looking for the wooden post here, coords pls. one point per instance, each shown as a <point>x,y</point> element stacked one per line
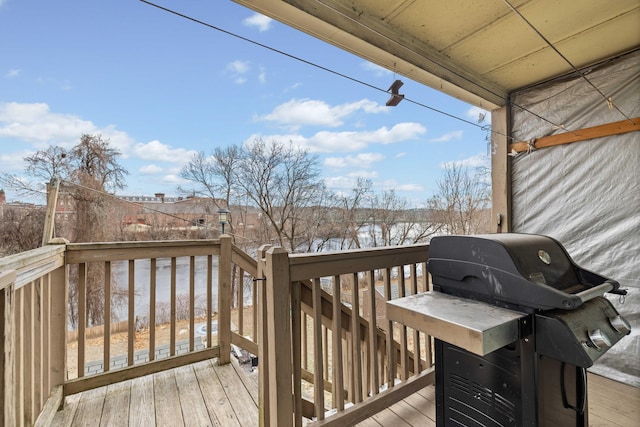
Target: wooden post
<point>500,171</point>
<point>224,299</point>
<point>278,297</point>
<point>52,200</point>
<point>262,337</point>
<point>7,333</point>
<point>59,280</point>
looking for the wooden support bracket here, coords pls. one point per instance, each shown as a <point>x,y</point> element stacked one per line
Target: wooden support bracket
<point>616,128</point>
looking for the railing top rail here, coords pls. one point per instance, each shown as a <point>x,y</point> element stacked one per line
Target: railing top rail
<point>309,266</point>
<point>118,251</point>
<point>6,278</point>
<point>31,265</point>
<point>244,261</point>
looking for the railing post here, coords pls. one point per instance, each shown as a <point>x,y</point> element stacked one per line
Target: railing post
<point>278,307</point>
<point>224,299</point>
<point>7,333</point>
<point>59,282</point>
<point>262,337</point>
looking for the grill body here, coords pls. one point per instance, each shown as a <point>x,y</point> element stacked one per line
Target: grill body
<point>540,378</point>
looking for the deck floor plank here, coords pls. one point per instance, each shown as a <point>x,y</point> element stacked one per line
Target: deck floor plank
<point>115,411</point>
<point>142,411</point>
<point>611,400</point>
<point>206,393</point>
<point>422,404</point>
<point>167,401</point>
<point>238,395</point>
<point>194,410</point>
<point>411,415</point>
<point>89,409</point>
<point>218,405</point>
<point>64,418</point>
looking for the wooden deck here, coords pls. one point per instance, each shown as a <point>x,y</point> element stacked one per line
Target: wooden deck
<point>207,394</point>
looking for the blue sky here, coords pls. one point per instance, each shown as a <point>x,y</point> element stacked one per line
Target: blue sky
<point>161,88</point>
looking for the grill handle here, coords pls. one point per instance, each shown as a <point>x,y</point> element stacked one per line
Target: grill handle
<point>596,291</point>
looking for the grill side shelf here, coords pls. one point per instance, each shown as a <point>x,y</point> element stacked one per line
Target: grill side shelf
<point>475,326</point>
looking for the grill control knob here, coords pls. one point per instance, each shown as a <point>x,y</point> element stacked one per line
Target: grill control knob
<point>599,339</point>
<point>620,324</point>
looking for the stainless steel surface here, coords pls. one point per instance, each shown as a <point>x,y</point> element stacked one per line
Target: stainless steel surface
<point>620,324</point>
<point>599,339</point>
<point>475,326</point>
<point>596,291</point>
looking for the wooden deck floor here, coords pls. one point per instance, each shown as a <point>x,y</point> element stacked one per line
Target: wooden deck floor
<point>206,394</point>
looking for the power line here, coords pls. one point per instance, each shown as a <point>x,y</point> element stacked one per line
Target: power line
<point>321,67</point>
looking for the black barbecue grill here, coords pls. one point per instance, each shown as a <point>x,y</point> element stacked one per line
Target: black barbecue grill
<point>516,323</point>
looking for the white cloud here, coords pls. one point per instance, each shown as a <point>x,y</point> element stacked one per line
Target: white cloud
<point>157,151</point>
<point>171,179</point>
<point>10,162</point>
<point>409,187</point>
<point>238,70</point>
<point>470,162</point>
<point>341,142</point>
<point>448,136</point>
<point>377,70</point>
<point>300,112</point>
<point>150,170</point>
<point>262,77</point>
<point>362,160</point>
<point>400,155</point>
<point>36,125</point>
<point>261,22</point>
<point>14,72</point>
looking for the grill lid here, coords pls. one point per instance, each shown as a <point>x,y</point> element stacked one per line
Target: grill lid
<point>512,270</point>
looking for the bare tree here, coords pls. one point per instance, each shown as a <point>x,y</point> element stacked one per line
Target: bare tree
<point>20,230</point>
<point>283,181</point>
<point>462,200</point>
<point>214,176</point>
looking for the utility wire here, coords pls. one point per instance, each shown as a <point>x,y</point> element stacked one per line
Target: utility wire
<point>329,70</point>
<point>551,45</point>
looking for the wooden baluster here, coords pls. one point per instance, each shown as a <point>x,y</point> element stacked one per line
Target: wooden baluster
<point>224,299</point>
<point>153,281</point>
<point>240,303</point>
<point>404,356</point>
<point>391,356</point>
<point>106,357</point>
<point>296,353</point>
<point>192,291</point>
<point>356,341</point>
<point>373,335</point>
<point>82,315</point>
<point>318,361</point>
<point>336,334</point>
<point>131,317</point>
<point>172,321</point>
<point>417,366</point>
<point>209,300</point>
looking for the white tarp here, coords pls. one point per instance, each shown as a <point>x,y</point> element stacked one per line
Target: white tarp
<point>587,194</point>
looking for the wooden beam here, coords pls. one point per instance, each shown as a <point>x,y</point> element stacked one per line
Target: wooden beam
<point>616,128</point>
<point>50,219</point>
<point>500,172</point>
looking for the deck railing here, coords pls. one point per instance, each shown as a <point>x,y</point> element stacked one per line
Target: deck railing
<point>356,363</point>
<point>316,322</point>
<point>34,299</point>
<point>33,329</point>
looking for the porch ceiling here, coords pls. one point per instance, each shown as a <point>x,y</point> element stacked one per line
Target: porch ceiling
<point>475,50</point>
